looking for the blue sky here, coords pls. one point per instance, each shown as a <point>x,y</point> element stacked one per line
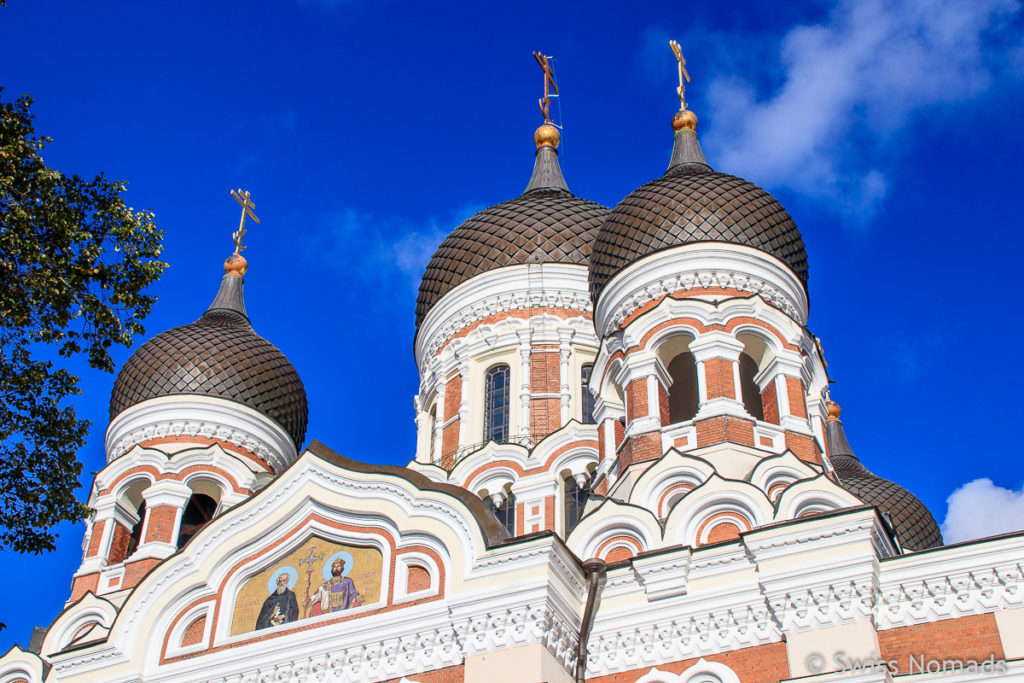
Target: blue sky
<point>368,130</point>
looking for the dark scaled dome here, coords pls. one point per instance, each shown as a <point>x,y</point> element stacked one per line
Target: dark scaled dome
<point>692,203</point>
<point>546,224</point>
<point>913,523</point>
<point>219,355</point>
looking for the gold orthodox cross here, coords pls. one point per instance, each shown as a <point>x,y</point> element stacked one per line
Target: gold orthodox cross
<point>311,559</point>
<point>684,76</point>
<point>821,350</point>
<point>307,561</point>
<point>549,84</point>
<point>242,197</point>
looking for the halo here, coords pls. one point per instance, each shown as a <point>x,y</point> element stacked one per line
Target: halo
<point>342,555</point>
<point>293,577</point>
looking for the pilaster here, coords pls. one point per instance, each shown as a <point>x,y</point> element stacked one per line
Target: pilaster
<point>165,503</point>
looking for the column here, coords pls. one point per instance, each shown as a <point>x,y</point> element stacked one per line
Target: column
<point>717,355</point>
<point>165,502</point>
<point>564,385</point>
<point>524,388</point>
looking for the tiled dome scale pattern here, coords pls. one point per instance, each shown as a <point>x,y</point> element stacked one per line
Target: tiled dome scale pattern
<point>541,226</point>
<point>218,355</point>
<point>915,526</point>
<point>692,203</point>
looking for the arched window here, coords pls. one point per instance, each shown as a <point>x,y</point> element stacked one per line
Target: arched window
<point>496,392</point>
<point>683,398</point>
<point>135,539</point>
<point>198,511</point>
<point>749,388</point>
<point>587,397</point>
<point>506,513</point>
<point>575,500</point>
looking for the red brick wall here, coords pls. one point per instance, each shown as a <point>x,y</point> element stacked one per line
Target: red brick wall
<point>545,370</point>
<point>549,513</point>
<point>450,440</point>
<point>975,637</point>
<point>96,538</point>
<point>636,399</point>
<point>545,416</point>
<point>452,403</point>
<point>797,403</point>
<point>719,378</point>
<point>194,632</point>
<point>626,547</point>
<point>759,664</point>
<point>118,544</point>
<point>770,402</point>
<point>804,447</point>
<point>134,571</point>
<point>161,524</point>
<point>419,579</point>
<point>452,674</point>
<point>452,396</point>
<point>725,428</point>
<point>723,532</point>
<point>640,448</point>
<point>618,554</point>
<point>663,405</point>
<point>84,584</point>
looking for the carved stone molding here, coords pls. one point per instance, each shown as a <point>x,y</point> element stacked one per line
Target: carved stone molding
<point>202,417</point>
<point>694,267</point>
<point>674,639</point>
<point>424,650</point>
<point>700,279</point>
<point>939,596</point>
<point>513,288</point>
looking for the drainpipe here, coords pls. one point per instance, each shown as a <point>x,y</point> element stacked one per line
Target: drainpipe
<point>593,568</point>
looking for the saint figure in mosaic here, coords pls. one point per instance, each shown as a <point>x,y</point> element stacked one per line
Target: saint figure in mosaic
<point>280,607</point>
<point>337,593</point>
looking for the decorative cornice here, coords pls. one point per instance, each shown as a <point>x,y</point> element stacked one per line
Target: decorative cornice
<point>548,285</point>
<point>950,587</point>
<point>200,416</point>
<point>699,266</point>
<point>413,651</point>
<point>671,636</point>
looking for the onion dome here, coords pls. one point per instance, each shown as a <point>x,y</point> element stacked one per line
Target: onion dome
<point>545,224</point>
<point>219,355</point>
<point>914,525</point>
<point>692,203</point>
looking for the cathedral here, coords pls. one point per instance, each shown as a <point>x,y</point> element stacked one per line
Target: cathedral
<point>628,469</point>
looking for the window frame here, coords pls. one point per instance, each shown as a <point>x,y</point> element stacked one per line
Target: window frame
<point>497,432</point>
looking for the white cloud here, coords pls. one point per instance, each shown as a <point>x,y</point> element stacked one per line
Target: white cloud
<point>979,508</point>
<point>383,249</point>
<point>848,86</point>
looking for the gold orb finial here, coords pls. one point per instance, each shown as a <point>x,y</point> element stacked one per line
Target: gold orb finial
<point>684,118</point>
<point>833,409</point>
<point>547,135</point>
<point>236,265</point>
